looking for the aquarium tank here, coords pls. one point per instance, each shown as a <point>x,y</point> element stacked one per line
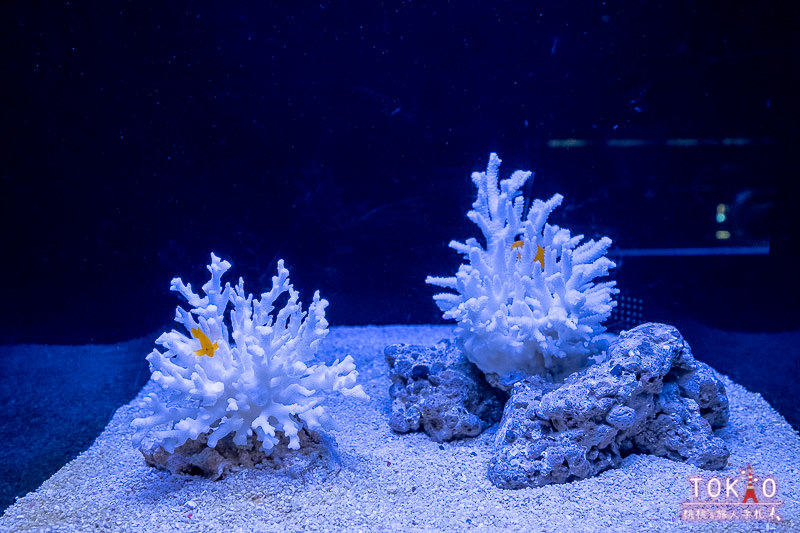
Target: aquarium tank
<point>150,146</point>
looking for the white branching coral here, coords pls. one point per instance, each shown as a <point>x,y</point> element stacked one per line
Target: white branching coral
<point>526,303</point>
<point>246,373</point>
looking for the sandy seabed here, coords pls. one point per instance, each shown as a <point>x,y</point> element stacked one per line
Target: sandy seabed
<point>389,482</point>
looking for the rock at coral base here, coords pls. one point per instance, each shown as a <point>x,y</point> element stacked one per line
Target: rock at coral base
<point>437,390</point>
<point>651,396</point>
<point>195,457</point>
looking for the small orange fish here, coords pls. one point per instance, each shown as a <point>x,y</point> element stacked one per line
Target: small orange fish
<point>206,348</point>
<point>518,244</point>
<point>539,252</point>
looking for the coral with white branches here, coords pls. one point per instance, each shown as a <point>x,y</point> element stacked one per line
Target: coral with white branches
<point>526,303</point>
<point>245,372</point>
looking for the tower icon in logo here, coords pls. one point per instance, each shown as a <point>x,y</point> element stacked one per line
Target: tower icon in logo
<point>750,493</point>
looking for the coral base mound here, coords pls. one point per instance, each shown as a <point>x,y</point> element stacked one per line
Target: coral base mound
<point>194,457</point>
<point>437,390</point>
<point>650,397</point>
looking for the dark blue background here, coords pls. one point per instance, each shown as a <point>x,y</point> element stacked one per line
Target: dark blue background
<point>140,136</point>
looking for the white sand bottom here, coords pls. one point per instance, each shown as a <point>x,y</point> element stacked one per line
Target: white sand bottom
<point>389,482</point>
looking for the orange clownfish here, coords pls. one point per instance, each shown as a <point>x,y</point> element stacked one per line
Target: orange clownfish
<point>206,348</point>
<point>539,252</point>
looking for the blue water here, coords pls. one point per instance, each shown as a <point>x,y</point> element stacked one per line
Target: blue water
<point>143,136</point>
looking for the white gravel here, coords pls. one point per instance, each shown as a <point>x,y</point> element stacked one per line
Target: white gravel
<point>389,482</point>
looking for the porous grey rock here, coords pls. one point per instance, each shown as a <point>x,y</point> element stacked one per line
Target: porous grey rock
<point>437,390</point>
<point>195,457</point>
<point>651,396</point>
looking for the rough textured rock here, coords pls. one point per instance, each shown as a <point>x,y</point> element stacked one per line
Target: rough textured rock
<point>196,458</point>
<point>436,389</point>
<point>650,396</point>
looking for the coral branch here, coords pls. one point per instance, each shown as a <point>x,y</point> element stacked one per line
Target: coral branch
<point>526,303</point>
<point>253,381</point>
